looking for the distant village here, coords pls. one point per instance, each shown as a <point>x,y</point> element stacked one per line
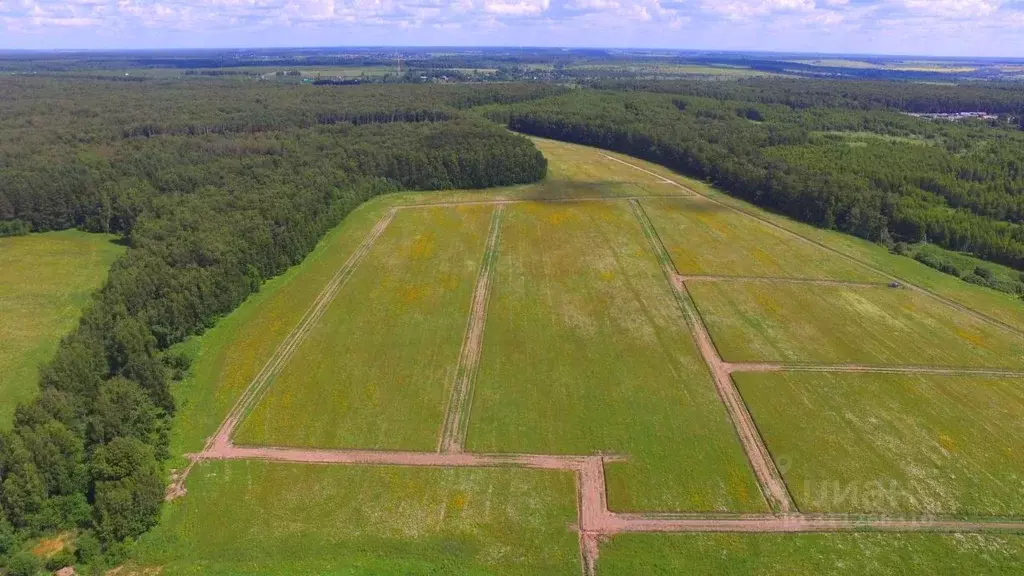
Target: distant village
<point>957,116</point>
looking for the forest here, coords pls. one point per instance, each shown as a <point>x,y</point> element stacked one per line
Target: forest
<point>217,184</point>
<point>223,189</point>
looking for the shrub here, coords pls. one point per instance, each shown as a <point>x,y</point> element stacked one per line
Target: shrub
<point>87,548</point>
<point>60,560</point>
<point>24,564</point>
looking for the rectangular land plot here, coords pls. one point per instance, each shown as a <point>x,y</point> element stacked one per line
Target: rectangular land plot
<point>375,370</point>
<point>786,322</point>
<point>579,171</point>
<point>707,239</point>
<point>894,443</point>
<point>586,350</point>
<point>248,518</point>
<point>812,554</point>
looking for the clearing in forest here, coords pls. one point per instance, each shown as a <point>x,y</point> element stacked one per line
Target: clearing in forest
<point>837,324</point>
<point>45,283</point>
<point>374,372</point>
<point>586,350</point>
<point>884,443</point>
<point>436,345</point>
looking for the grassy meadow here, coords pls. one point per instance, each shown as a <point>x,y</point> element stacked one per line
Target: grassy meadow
<point>798,323</point>
<point>894,443</point>
<point>993,303</point>
<point>229,355</point>
<point>579,171</point>
<point>45,283</point>
<point>812,554</point>
<point>586,350</point>
<point>705,238</point>
<point>375,371</point>
<point>248,518</point>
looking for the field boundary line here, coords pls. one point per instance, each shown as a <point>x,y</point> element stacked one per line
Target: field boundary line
<point>456,419</point>
<point>506,201</point>
<point>251,395</point>
<point>784,280</point>
<point>869,369</point>
<point>596,520</point>
<point>979,315</point>
<point>770,481</point>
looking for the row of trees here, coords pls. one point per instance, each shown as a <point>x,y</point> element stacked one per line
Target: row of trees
<point>871,185</point>
<point>207,220</point>
<point>918,97</point>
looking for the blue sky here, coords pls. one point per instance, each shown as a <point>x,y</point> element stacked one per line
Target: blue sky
<point>933,27</point>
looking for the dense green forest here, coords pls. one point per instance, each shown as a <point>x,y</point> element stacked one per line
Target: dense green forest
<point>918,97</point>
<point>214,187</point>
<point>879,174</point>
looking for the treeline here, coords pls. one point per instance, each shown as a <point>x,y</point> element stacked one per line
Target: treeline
<point>872,187</point>
<point>917,97</point>
<point>207,220</point>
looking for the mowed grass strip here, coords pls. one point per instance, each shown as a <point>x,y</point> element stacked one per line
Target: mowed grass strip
<point>705,238</point>
<point>894,443</point>
<point>45,283</point>
<point>803,324</point>
<point>376,370</point>
<point>248,518</point>
<point>581,171</point>
<point>586,350</point>
<point>812,554</point>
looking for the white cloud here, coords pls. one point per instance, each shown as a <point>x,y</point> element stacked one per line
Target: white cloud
<point>513,8</point>
<point>908,26</point>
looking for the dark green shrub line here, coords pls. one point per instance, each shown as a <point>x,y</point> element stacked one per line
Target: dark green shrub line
<point>14,228</point>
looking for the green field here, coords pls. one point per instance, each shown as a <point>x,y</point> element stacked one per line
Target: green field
<point>268,518</point>
<point>577,171</point>
<point>995,304</point>
<point>586,350</point>
<point>705,238</point>
<point>812,554</point>
<point>374,372</point>
<point>894,443</point>
<point>797,323</point>
<point>228,356</point>
<point>45,282</point>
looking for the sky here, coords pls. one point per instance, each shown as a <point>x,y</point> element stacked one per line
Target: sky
<point>924,27</point>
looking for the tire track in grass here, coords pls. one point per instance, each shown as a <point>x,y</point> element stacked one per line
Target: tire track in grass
<point>768,477</point>
<point>811,281</point>
<point>858,368</point>
<point>456,419</point>
<point>259,384</point>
